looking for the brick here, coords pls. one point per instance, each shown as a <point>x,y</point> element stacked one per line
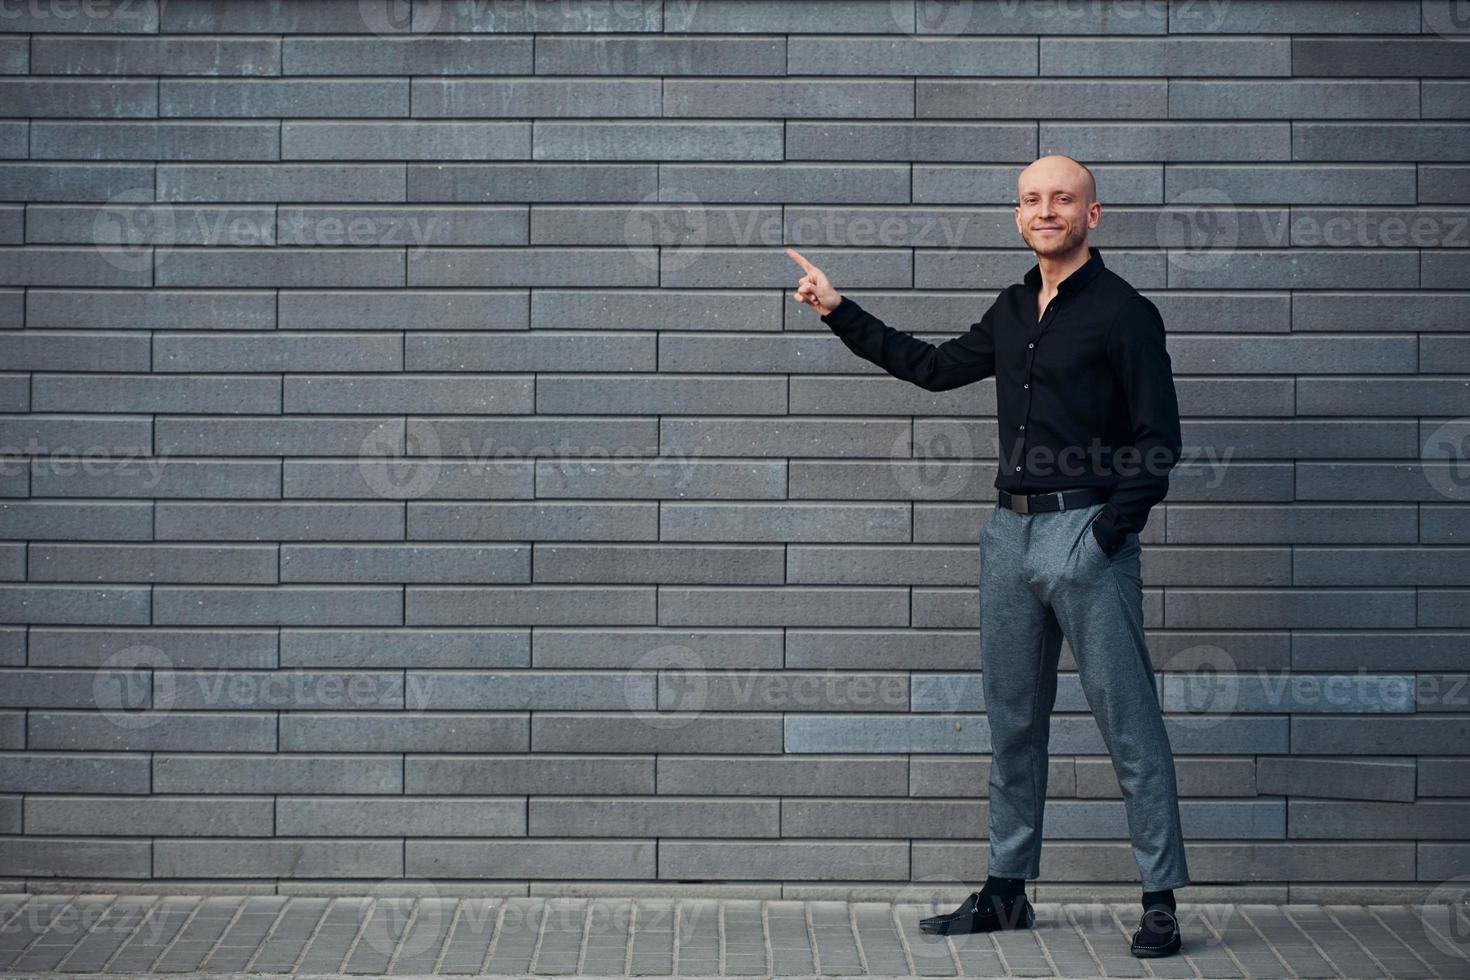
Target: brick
<point>750,183</point>
<point>539,97</point>
<point>261,773</point>
<point>283,97</point>
<point>100,816</point>
<point>408,55</point>
<point>151,309</point>
<point>1443,184</point>
<point>73,772</point>
<point>660,564</point>
<point>518,182</point>
<point>291,182</point>
<point>79,98</point>
<point>369,816</point>
<point>798,860</point>
<point>59,647</point>
<point>227,858</point>
<point>662,817</point>
<point>216,56</point>
<point>531,606</point>
<point>915,141</point>
<point>784,776</point>
<point>540,350</point>
<point>1292,99</point>
<point>73,604</point>
<point>1401,141</point>
<point>660,140</point>
<point>306,309</point>
<point>275,606</point>
<point>571,55</point>
<point>1134,56</point>
<point>75,181</point>
<point>580,309</point>
<point>1300,183</point>
<point>1316,16</point>
<point>1171,142</point>
<point>15,55</point>
<point>47,265</point>
<point>406,141</point>
<point>530,267</point>
<point>135,563</point>
<point>155,141</point>
<point>522,775</point>
<point>349,731</point>
<point>630,859</point>
<point>596,521</point>
<point>71,857</point>
<point>14,141</point>
<point>1378,736</point>
<point>281,267</point>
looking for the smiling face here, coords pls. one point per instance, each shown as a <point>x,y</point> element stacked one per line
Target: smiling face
<point>1057,206</point>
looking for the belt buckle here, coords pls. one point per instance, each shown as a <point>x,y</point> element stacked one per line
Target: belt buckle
<point>1019,503</point>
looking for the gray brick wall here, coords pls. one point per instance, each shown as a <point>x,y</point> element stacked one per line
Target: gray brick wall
<point>416,469</point>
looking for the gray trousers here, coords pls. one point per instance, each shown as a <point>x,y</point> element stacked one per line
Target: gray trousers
<point>1043,576</point>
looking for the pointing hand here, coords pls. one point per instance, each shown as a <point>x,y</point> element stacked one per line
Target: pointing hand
<point>814,289</point>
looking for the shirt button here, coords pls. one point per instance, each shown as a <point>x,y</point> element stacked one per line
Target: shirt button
<point>1022,425</point>
<point>1026,385</point>
<point>1018,469</point>
<point>1030,345</point>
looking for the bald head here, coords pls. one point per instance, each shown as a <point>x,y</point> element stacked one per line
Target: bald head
<point>1058,172</point>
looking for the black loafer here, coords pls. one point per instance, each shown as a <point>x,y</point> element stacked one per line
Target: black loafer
<point>1161,940</point>
<point>997,913</point>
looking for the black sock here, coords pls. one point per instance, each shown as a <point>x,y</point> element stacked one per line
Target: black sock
<point>1162,897</point>
<point>1005,887</point>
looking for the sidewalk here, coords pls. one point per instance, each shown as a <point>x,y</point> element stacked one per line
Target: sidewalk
<point>181,935</point>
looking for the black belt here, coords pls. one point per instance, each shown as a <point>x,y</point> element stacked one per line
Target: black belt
<point>1056,500</point>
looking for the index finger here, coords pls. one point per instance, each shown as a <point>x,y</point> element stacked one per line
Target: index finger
<point>801,260</point>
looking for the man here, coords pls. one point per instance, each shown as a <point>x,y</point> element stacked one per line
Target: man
<point>1089,430</point>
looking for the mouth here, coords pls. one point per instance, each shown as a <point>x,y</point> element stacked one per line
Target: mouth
<point>1047,230</point>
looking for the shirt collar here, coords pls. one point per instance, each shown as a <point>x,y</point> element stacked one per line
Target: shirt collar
<point>1080,276</point>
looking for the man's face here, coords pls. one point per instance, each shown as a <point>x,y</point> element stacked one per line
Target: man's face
<point>1053,217</point>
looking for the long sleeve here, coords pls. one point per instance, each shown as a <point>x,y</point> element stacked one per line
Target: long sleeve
<point>962,360</point>
<point>1141,363</point>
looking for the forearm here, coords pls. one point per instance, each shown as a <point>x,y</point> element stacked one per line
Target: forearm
<point>940,367</point>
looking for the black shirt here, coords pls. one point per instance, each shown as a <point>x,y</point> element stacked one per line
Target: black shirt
<point>1084,396</point>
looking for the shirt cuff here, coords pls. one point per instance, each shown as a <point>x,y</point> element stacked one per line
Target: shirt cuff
<point>843,314</point>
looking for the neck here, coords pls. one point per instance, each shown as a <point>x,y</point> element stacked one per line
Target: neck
<point>1055,268</point>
